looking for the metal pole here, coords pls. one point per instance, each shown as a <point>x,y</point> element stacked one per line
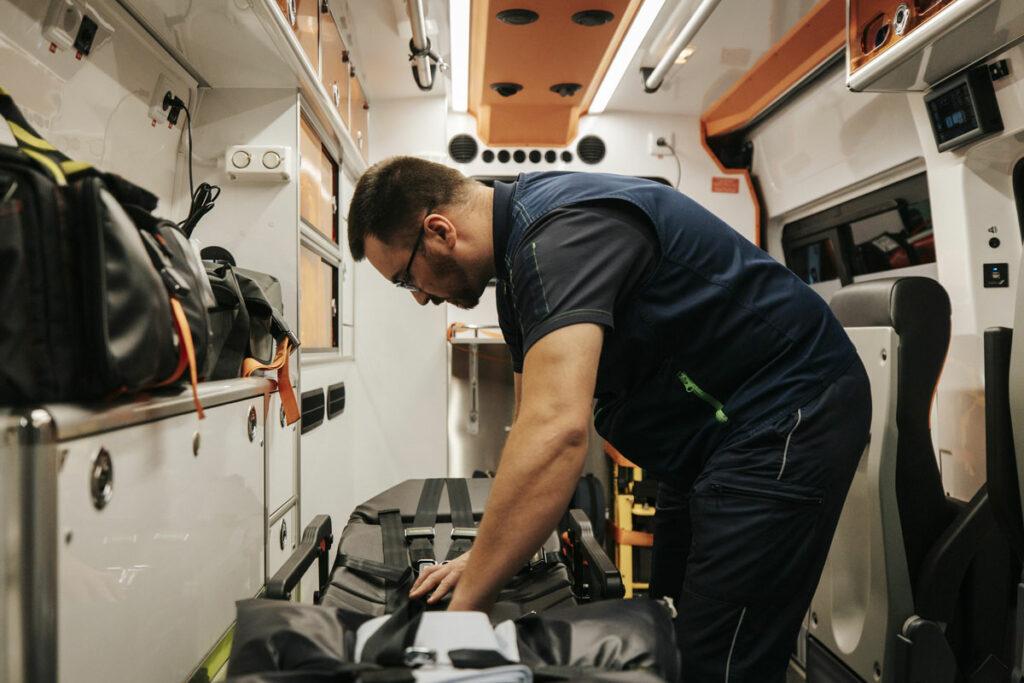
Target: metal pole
<point>654,80</point>
<point>414,8</point>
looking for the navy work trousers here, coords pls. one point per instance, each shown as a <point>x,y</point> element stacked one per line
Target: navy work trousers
<point>741,548</point>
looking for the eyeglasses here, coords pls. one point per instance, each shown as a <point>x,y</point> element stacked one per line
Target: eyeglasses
<point>404,279</point>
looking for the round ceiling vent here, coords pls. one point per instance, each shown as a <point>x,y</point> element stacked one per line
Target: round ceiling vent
<point>590,149</point>
<point>550,156</point>
<point>487,156</point>
<point>567,157</point>
<point>503,156</point>
<point>519,156</point>
<point>462,148</point>
<point>592,17</point>
<point>518,17</point>
<point>535,156</point>
<point>566,89</point>
<point>506,89</point>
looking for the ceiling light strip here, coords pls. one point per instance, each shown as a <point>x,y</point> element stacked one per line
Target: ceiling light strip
<point>458,19</point>
<point>627,50</point>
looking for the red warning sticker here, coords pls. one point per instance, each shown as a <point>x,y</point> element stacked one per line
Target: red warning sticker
<point>723,184</point>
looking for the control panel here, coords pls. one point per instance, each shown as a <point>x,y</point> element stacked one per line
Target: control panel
<point>964,108</point>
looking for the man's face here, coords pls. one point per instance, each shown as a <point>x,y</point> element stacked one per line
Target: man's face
<point>434,268</point>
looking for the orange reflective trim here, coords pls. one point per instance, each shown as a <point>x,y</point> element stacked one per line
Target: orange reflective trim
<point>185,339</point>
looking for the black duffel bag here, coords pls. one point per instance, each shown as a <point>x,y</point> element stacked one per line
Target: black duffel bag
<point>97,297</point>
<point>249,329</point>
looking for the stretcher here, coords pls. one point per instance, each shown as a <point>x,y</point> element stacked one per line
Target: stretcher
<point>363,627</point>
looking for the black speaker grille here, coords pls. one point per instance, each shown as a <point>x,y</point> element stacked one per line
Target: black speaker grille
<point>462,148</point>
<point>590,149</point>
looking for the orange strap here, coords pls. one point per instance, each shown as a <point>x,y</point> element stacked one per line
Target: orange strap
<point>618,458</point>
<point>642,539</point>
<point>189,352</point>
<point>281,363</point>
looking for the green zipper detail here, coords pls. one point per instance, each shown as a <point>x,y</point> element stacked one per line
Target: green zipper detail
<point>692,388</point>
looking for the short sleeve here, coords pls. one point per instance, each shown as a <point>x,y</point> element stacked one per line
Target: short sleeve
<point>576,264</point>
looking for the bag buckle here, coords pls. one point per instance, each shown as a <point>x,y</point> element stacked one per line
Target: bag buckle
<point>422,564</point>
<point>414,532</point>
<point>418,656</point>
<point>174,282</point>
<point>463,532</point>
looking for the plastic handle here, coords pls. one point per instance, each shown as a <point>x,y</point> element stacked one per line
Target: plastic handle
<point>315,545</point>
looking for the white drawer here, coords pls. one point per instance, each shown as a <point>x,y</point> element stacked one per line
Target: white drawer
<point>282,444</point>
<point>282,537</point>
<point>148,581</point>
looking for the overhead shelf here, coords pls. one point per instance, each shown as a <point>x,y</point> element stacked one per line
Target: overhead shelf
<point>225,45</point>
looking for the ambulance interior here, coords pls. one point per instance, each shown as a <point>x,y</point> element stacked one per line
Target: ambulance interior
<point>862,143</point>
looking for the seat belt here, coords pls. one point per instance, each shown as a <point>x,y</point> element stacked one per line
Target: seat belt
<point>421,534</point>
<point>463,525</point>
<point>394,554</point>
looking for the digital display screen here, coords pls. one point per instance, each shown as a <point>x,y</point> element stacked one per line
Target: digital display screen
<point>952,113</point>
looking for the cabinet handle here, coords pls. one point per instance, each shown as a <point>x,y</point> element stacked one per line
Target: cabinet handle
<point>283,536</point>
<point>252,424</point>
<point>101,479</point>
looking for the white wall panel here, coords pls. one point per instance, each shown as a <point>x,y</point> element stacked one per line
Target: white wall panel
<point>95,109</point>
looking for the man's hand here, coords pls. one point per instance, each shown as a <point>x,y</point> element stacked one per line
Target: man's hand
<point>440,578</point>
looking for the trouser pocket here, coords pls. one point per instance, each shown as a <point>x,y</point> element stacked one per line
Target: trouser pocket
<point>754,538</point>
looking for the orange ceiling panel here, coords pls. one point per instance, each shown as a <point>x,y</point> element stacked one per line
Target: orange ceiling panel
<point>553,49</point>
<point>815,38</point>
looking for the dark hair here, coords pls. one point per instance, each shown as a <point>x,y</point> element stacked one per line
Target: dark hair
<point>392,193</point>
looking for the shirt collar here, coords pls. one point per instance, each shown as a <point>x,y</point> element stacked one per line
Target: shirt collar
<point>502,224</point>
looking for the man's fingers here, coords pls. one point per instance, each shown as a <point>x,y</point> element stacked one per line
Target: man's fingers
<point>444,587</point>
<point>424,573</point>
<point>427,581</point>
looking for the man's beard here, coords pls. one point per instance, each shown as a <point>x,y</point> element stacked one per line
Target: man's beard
<point>464,294</point>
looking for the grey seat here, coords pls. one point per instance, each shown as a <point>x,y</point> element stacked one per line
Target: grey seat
<point>905,558</point>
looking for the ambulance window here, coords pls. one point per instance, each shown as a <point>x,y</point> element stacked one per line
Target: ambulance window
<point>885,230</point>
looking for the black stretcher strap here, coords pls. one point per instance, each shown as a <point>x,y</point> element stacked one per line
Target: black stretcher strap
<point>463,525</point>
<point>394,552</point>
<point>421,534</point>
<point>386,647</point>
<point>396,575</point>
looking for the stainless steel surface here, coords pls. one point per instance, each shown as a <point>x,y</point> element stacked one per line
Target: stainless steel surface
<point>685,37</point>
<point>74,421</point>
<point>477,444</point>
<point>281,511</point>
<point>28,532</point>
<point>101,479</point>
<point>420,41</point>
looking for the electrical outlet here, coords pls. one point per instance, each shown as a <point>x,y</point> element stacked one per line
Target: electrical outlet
<point>164,83</point>
<point>259,163</point>
<point>63,17</point>
<point>660,151</point>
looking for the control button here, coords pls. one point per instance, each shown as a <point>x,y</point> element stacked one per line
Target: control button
<point>271,159</point>
<point>996,275</point>
<point>240,159</point>
<point>994,242</point>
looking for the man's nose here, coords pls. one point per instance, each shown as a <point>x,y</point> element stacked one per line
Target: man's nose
<point>422,298</point>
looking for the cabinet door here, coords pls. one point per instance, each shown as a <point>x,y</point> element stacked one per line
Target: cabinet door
<point>334,74</point>
<point>360,118</point>
<point>318,308</point>
<point>307,26</point>
<point>328,196</point>
<point>310,176</point>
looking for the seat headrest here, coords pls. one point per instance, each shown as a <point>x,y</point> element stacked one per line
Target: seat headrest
<point>902,303</point>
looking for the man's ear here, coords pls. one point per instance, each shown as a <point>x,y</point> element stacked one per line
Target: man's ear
<point>442,227</point>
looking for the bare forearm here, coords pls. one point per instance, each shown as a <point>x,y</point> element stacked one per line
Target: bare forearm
<point>539,468</point>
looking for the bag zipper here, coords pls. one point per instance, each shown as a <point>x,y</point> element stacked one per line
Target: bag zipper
<point>749,492</point>
<point>692,388</point>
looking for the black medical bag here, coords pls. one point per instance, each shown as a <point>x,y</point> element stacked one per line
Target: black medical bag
<point>97,296</point>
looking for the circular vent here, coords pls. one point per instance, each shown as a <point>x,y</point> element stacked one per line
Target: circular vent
<point>517,17</point>
<point>590,149</point>
<point>487,156</point>
<point>519,156</point>
<point>506,89</point>
<point>592,17</point>
<point>535,156</point>
<point>550,156</point>
<point>503,156</point>
<point>462,148</point>
<point>566,89</point>
<point>567,156</point>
